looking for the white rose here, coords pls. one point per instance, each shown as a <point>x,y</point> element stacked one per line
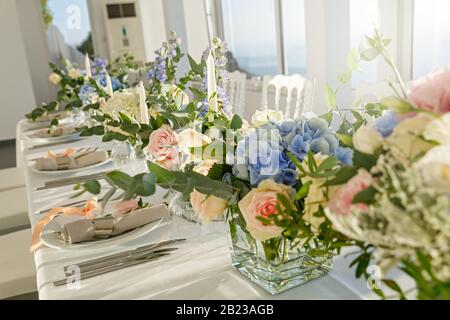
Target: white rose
<point>262,117</point>
<point>367,140</point>
<point>435,167</point>
<point>214,133</point>
<point>407,142</point>
<point>438,130</point>
<point>74,73</point>
<point>190,138</point>
<point>54,78</point>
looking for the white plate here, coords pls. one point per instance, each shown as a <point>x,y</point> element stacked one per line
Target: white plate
<point>50,238</point>
<point>68,171</point>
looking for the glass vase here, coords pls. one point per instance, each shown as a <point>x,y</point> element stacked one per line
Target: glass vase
<point>122,154</point>
<point>181,207</point>
<point>275,265</point>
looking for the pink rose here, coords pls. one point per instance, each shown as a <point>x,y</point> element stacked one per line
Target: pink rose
<point>207,208</point>
<point>432,92</point>
<point>341,201</point>
<point>262,202</point>
<point>161,146</point>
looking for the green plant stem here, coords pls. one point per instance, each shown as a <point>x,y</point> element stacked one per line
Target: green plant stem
<point>388,58</point>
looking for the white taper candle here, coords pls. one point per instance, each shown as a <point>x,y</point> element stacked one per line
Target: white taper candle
<point>143,104</point>
<point>87,66</point>
<point>109,87</point>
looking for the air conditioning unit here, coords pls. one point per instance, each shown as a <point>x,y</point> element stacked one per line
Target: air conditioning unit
<point>124,29</point>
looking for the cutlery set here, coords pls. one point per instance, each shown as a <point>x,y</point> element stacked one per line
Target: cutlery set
<point>106,264</point>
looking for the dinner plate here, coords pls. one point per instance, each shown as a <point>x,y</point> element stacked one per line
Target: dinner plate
<point>50,237</point>
<point>69,171</point>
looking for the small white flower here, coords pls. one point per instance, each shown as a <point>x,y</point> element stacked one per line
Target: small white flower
<point>74,73</point>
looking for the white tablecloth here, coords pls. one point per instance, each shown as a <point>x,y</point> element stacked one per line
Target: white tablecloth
<point>200,269</point>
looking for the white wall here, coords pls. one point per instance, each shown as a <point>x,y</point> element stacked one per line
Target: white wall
<point>196,27</point>
<point>153,26</point>
<point>36,50</point>
<point>16,89</point>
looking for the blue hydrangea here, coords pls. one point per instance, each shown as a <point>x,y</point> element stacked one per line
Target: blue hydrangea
<point>263,154</point>
<point>202,108</point>
<point>86,93</point>
<point>344,155</point>
<point>98,66</point>
<point>386,124</point>
<point>116,84</point>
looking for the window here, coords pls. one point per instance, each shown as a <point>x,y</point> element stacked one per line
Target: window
<point>363,19</point>
<point>250,29</point>
<point>431,44</point>
<point>293,19</point>
<point>68,30</point>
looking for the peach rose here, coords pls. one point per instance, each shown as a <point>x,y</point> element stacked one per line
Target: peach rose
<point>432,92</point>
<point>207,207</point>
<point>170,161</point>
<point>262,202</point>
<point>341,202</point>
<point>204,166</point>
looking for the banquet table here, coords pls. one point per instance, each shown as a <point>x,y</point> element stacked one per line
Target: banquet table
<point>200,269</point>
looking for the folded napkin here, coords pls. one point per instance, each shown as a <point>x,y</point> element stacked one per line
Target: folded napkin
<point>83,230</point>
<point>56,132</point>
<point>70,160</point>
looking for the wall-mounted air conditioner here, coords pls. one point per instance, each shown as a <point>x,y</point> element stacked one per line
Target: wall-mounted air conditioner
<point>124,29</point>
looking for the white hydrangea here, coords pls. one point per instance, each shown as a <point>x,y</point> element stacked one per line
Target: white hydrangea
<point>125,101</point>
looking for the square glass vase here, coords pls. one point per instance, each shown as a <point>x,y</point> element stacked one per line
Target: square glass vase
<point>273,264</point>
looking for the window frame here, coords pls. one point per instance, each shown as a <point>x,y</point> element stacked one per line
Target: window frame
<point>214,14</point>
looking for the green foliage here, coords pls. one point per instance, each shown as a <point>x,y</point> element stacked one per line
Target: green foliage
<point>47,14</point>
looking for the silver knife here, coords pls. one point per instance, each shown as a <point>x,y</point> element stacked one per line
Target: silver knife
<point>72,180</point>
<point>101,271</point>
<point>131,256</point>
<point>125,253</point>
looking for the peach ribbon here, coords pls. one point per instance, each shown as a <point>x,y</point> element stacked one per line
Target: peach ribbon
<point>68,153</point>
<point>36,241</point>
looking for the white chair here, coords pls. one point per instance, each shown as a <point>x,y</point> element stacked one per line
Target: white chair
<point>17,269</point>
<point>14,211</point>
<point>11,178</point>
<point>235,88</point>
<point>299,94</point>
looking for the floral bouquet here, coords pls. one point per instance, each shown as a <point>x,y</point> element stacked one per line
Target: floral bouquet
<point>394,200</point>
<point>399,204</point>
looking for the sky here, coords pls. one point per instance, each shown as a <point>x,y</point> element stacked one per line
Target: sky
<point>66,15</point>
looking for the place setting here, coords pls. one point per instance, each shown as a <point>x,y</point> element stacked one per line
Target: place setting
<point>71,161</point>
